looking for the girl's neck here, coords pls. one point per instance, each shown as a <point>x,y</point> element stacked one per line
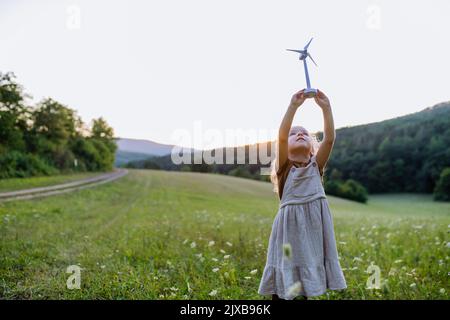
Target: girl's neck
<point>302,163</point>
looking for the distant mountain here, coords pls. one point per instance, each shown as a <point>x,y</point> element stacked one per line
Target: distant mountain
<point>143,147</point>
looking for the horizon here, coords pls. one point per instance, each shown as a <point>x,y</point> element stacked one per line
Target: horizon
<point>151,71</point>
<point>258,142</point>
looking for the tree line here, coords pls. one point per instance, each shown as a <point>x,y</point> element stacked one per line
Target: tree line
<point>48,137</point>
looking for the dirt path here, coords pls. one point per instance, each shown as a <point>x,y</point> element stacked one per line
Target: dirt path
<point>62,188</point>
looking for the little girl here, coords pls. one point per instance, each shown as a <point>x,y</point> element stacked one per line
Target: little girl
<point>302,258</point>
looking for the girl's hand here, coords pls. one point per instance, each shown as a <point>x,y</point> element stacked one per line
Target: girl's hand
<point>322,100</point>
<point>298,99</point>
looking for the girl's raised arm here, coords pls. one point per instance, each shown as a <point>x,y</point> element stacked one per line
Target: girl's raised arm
<point>329,135</point>
<point>283,133</point>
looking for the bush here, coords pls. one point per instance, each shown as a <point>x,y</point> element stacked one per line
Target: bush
<point>350,189</point>
<point>442,189</point>
<point>240,172</point>
<point>17,164</point>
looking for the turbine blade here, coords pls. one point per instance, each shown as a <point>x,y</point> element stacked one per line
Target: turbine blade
<point>298,51</point>
<point>312,59</point>
<point>306,47</point>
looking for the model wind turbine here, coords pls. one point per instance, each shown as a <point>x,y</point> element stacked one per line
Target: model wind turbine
<point>309,92</point>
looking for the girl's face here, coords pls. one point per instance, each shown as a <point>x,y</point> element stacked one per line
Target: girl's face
<point>299,144</point>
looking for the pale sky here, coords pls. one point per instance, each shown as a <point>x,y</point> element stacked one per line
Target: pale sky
<point>154,67</point>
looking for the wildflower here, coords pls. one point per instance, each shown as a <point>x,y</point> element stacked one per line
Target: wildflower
<point>214,259</point>
<point>295,289</point>
<point>215,269</point>
<point>103,266</point>
<point>229,244</point>
<point>413,285</point>
<point>287,250</point>
<point>199,255</point>
<point>193,244</point>
<point>185,241</point>
<point>343,243</point>
<point>398,261</point>
<point>222,251</point>
<point>213,293</point>
<point>254,271</point>
<point>248,278</point>
<point>226,256</point>
<point>174,288</point>
<point>226,274</point>
<point>357,259</point>
<point>448,245</point>
<point>442,291</point>
<point>211,243</point>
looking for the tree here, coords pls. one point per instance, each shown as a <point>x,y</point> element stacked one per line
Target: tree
<point>13,114</point>
<point>442,190</point>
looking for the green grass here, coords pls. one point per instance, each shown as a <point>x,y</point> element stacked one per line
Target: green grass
<point>15,184</point>
<point>133,239</point>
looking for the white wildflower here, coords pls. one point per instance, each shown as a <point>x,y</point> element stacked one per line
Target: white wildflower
<point>215,269</point>
<point>358,259</point>
<point>254,271</point>
<point>398,261</point>
<point>214,259</point>
<point>193,244</point>
<point>442,291</point>
<point>185,241</point>
<point>295,289</point>
<point>247,278</point>
<point>211,243</point>
<point>343,243</point>
<point>226,256</point>
<point>213,293</point>
<point>412,285</point>
<point>229,244</point>
<point>222,251</point>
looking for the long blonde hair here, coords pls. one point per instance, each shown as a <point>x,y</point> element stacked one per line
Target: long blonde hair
<point>273,173</point>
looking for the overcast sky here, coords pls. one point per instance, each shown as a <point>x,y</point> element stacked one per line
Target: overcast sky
<point>152,68</point>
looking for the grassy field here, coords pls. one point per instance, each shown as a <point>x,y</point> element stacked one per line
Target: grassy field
<point>44,181</point>
<point>149,236</point>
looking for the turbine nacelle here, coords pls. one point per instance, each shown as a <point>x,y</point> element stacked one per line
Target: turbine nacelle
<point>304,53</point>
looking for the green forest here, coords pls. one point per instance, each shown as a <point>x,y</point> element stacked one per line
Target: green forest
<point>48,137</point>
<point>405,154</point>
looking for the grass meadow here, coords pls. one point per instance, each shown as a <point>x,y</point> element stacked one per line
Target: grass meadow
<point>181,235</point>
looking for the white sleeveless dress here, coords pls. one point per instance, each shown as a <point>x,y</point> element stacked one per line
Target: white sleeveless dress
<point>304,221</point>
